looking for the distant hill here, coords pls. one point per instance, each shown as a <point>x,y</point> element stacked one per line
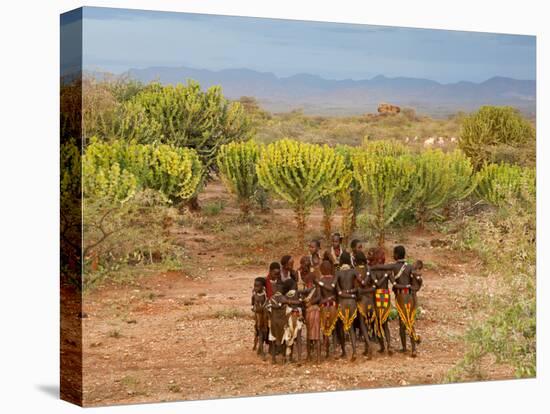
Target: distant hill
<point>345,97</point>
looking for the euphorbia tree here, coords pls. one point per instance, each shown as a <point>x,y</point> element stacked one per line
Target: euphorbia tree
<point>439,178</point>
<point>330,202</point>
<point>300,174</point>
<point>352,199</point>
<point>386,181</point>
<point>498,184</point>
<point>237,167</point>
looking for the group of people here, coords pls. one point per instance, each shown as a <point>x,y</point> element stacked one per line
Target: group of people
<point>335,295</point>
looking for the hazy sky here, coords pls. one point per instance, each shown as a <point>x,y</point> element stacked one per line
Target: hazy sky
<point>116,40</point>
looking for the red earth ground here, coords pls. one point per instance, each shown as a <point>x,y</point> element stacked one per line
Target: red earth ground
<point>172,337</point>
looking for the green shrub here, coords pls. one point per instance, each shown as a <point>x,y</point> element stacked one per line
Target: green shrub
<point>490,127</point>
<point>237,166</point>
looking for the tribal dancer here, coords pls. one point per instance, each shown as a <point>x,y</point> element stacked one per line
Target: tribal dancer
<point>333,254</point>
<point>328,305</point>
<point>347,301</point>
<point>365,301</point>
<point>382,305</point>
<point>405,301</point>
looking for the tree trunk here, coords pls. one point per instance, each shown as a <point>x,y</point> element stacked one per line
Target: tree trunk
<point>381,225</point>
<point>193,204</point>
<point>244,206</point>
<point>327,226</point>
<point>301,227</point>
<point>381,238</point>
<point>353,224</point>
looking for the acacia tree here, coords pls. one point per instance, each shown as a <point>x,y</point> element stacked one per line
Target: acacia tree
<point>491,127</point>
<point>237,167</point>
<point>386,181</point>
<point>185,116</point>
<point>300,174</point>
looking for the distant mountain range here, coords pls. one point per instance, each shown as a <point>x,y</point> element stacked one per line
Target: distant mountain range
<point>316,95</point>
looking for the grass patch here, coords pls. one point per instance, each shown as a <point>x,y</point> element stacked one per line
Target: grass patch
<point>115,333</point>
<point>231,313</point>
<point>213,208</point>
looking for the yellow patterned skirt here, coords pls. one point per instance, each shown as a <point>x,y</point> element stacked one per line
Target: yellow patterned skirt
<point>329,317</point>
<point>406,308</point>
<point>382,307</point>
<point>366,309</point>
<point>347,312</point>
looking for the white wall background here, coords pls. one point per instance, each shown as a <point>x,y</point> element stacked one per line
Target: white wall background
<point>29,165</point>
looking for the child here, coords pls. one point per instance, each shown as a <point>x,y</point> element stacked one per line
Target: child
<point>416,285</point>
<point>293,330</point>
<point>315,257</point>
<point>311,300</point>
<point>261,317</point>
<point>335,251</point>
<point>272,278</point>
<point>287,269</point>
<point>303,271</point>
<point>279,311</point>
<point>356,248</point>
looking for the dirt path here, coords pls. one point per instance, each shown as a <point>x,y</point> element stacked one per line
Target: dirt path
<point>169,337</point>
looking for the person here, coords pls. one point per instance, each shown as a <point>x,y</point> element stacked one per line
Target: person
<point>303,271</point>
<point>345,279</point>
<point>328,307</point>
<point>416,285</point>
<point>311,299</point>
<point>293,329</point>
<point>382,305</point>
<point>365,301</point>
<point>273,276</point>
<point>401,275</point>
<point>287,269</point>
<point>315,257</point>
<point>333,254</point>
<point>356,248</point>
<point>279,318</point>
<point>261,317</point>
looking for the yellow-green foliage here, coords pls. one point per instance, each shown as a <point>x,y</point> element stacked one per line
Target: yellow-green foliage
<point>237,167</point>
<point>389,148</point>
<point>116,170</point>
<point>70,183</point>
<point>491,127</point>
<point>462,172</point>
<point>500,184</point>
<point>330,202</point>
<point>300,174</point>
<point>352,199</point>
<point>439,178</point>
<point>386,181</point>
<point>185,116</point>
<point>505,240</point>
